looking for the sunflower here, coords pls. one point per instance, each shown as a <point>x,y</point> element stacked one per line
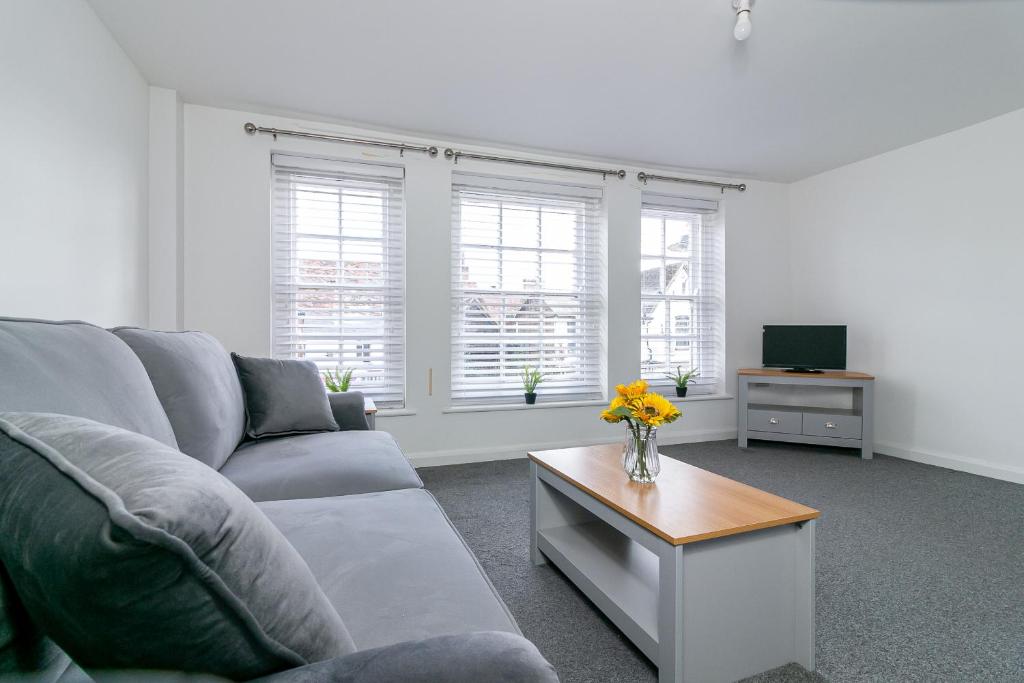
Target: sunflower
<point>632,391</point>
<point>655,410</point>
<point>610,414</point>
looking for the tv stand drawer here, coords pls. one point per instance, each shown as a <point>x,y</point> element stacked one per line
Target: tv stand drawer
<point>833,425</point>
<point>779,420</point>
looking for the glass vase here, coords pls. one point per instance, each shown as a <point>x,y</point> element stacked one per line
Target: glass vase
<point>640,456</point>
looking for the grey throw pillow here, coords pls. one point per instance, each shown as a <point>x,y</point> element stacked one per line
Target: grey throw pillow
<point>130,554</point>
<point>283,397</point>
<point>197,384</point>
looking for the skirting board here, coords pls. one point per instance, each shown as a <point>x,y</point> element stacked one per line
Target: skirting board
<point>468,455</point>
<point>953,462</point>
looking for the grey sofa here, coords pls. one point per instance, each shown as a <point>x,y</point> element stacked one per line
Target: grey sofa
<point>413,596</point>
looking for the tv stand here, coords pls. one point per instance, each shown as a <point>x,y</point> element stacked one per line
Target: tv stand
<point>849,428</point>
<point>806,371</point>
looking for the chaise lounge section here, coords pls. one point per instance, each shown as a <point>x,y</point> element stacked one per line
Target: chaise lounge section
<point>411,594</point>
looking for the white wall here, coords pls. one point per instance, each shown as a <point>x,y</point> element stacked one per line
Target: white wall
<point>73,185</point>
<point>166,209</point>
<point>919,251</point>
<point>227,282</point>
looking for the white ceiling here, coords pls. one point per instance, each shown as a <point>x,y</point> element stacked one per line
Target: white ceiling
<point>819,84</point>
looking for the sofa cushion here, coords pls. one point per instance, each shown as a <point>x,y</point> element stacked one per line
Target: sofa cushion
<point>320,465</point>
<point>130,554</point>
<point>490,656</point>
<point>75,368</point>
<point>392,565</point>
<point>197,384</point>
<point>283,397</point>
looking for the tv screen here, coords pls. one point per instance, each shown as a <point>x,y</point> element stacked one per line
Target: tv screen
<point>804,347</point>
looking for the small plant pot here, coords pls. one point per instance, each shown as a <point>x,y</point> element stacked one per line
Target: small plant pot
<point>681,391</point>
<point>531,398</point>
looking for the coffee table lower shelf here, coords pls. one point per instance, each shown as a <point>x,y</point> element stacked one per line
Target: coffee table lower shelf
<point>620,576</point>
<point>715,610</point>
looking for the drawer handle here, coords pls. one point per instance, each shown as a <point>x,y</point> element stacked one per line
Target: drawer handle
<point>773,420</point>
<point>830,425</point>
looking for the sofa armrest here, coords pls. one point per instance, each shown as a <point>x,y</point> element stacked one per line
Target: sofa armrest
<point>349,410</point>
<point>464,658</point>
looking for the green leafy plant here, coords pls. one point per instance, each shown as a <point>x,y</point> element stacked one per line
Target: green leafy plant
<point>339,379</point>
<point>683,378</point>
<point>531,378</point>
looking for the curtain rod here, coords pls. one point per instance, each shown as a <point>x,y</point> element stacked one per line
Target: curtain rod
<point>252,129</point>
<point>644,177</point>
<point>455,155</point>
<point>449,153</point>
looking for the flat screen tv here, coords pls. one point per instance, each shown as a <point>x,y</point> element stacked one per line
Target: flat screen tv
<point>804,348</point>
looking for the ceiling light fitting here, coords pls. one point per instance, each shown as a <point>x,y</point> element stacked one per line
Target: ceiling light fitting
<point>743,25</point>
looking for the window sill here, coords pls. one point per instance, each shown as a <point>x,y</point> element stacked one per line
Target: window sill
<point>395,412</point>
<point>699,397</point>
<point>496,407</point>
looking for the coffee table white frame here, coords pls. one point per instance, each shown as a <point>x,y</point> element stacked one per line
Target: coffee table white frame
<point>714,610</point>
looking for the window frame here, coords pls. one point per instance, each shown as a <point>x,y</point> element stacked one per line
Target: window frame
<point>706,317</point>
<point>583,335</point>
<point>388,182</point>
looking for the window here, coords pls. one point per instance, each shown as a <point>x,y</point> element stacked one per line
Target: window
<point>527,290</point>
<point>682,291</point>
<point>338,292</point>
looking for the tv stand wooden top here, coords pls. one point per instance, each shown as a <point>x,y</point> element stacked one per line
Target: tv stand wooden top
<point>831,374</point>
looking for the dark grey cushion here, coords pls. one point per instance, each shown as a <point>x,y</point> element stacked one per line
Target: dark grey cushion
<point>283,397</point>
<point>319,465</point>
<point>130,554</point>
<point>349,409</point>
<point>198,387</point>
<point>75,368</point>
<point>467,658</point>
<point>392,565</point>
<point>23,647</point>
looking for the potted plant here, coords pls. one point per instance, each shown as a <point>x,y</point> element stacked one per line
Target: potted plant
<point>531,378</point>
<point>682,379</point>
<point>338,380</point>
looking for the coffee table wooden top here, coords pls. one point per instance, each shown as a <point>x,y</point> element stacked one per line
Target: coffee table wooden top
<point>686,504</point>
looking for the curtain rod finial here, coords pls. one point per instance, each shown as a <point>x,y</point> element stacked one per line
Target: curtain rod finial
<point>250,128</point>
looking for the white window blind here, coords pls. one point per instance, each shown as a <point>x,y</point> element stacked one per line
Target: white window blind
<point>682,291</point>
<point>338,267</point>
<point>527,290</point>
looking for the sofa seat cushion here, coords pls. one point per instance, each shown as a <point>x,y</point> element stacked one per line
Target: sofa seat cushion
<point>130,554</point>
<point>320,465</point>
<point>197,384</point>
<point>392,565</point>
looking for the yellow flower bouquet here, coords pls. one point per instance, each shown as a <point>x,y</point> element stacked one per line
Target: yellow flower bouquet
<point>643,412</point>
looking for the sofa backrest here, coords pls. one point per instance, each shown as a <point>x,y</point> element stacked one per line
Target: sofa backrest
<point>198,387</point>
<point>74,368</point>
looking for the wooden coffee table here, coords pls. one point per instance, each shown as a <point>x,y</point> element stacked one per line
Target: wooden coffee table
<point>712,579</point>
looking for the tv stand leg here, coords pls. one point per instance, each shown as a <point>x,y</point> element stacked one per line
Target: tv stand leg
<point>743,392</point>
<point>864,401</point>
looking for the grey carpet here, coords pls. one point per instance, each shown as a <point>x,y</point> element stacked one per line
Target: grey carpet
<point>920,570</point>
